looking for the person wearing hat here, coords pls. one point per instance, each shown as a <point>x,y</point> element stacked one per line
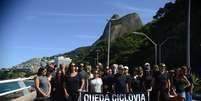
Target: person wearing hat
<point>127,74</point>
<point>126,70</point>
<point>147,67</point>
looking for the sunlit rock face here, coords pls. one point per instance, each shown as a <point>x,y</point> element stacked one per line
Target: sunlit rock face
<point>121,25</point>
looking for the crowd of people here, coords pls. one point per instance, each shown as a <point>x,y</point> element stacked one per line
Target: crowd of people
<point>65,82</point>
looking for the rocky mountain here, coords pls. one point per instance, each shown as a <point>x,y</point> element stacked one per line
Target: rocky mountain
<point>121,25</point>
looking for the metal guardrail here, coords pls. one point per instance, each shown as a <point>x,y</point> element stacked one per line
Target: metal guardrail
<point>14,80</point>
<point>21,84</point>
<point>13,91</point>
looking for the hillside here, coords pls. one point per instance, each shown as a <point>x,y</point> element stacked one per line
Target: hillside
<point>32,64</point>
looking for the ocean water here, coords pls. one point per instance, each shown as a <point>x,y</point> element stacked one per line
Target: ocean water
<point>14,85</point>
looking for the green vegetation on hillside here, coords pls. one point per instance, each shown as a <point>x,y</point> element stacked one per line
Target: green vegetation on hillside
<point>12,74</point>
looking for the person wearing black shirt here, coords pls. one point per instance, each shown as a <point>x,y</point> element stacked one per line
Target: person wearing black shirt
<point>147,77</point>
<point>73,84</point>
<point>108,81</point>
<point>162,83</point>
<point>136,83</point>
<point>57,93</point>
<point>120,81</point>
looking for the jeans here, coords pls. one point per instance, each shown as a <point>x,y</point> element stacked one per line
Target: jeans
<point>188,96</point>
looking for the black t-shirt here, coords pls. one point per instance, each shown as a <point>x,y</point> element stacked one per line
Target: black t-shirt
<point>73,83</point>
<point>137,84</point>
<point>147,81</point>
<point>162,81</point>
<point>120,82</point>
<point>128,78</point>
<point>108,81</point>
<point>57,90</point>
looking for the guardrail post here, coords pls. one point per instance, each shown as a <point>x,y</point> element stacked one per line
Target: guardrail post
<point>148,95</point>
<point>22,85</point>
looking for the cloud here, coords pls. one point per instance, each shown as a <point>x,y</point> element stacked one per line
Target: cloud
<point>85,36</point>
<point>75,15</point>
<point>145,13</point>
<point>128,7</point>
<point>30,17</point>
<point>38,48</point>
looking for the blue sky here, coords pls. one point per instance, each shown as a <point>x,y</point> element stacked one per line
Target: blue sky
<point>37,28</point>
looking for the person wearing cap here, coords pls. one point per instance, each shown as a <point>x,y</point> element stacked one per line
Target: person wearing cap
<point>147,67</point>
<point>127,74</point>
<point>126,70</point>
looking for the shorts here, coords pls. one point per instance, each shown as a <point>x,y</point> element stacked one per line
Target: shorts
<point>182,94</point>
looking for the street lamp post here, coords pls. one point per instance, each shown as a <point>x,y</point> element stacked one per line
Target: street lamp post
<point>160,45</point>
<point>188,35</point>
<point>109,37</point>
<point>155,45</point>
<point>97,56</point>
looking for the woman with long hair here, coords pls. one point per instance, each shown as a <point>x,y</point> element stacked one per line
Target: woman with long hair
<point>42,85</point>
<point>181,82</point>
<point>74,84</point>
<point>96,83</point>
<point>57,85</point>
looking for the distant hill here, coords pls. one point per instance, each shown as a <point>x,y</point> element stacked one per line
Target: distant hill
<point>32,65</point>
<point>76,55</point>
